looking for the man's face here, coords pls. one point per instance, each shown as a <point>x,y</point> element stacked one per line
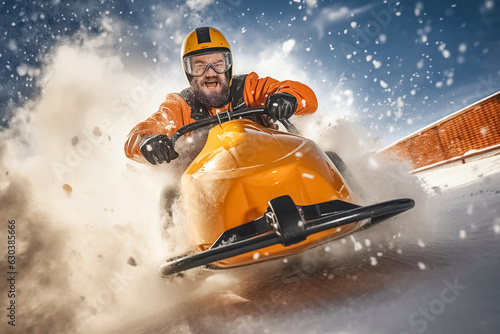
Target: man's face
<point>212,89</point>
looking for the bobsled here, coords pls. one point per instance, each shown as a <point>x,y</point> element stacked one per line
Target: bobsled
<point>255,194</point>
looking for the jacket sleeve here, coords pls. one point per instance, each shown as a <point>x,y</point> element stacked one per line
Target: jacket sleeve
<point>172,114</point>
<point>258,89</point>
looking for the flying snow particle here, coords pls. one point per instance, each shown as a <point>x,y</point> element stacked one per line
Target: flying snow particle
<point>243,30</point>
<point>312,3</point>
<point>462,47</point>
<point>12,45</point>
<point>354,24</point>
<point>369,58</point>
<point>400,104</point>
<point>446,53</point>
<point>377,64</point>
<point>373,261</point>
<point>463,234</point>
<point>421,265</point>
<point>349,97</point>
<point>496,228</point>
<point>67,189</point>
<point>256,255</point>
<point>419,6</point>
<point>421,243</point>
<point>373,163</point>
<point>357,246</point>
<point>383,84</point>
<point>287,46</point>
<point>382,38</point>
<point>308,176</point>
<point>22,70</point>
<point>368,242</point>
<point>198,4</point>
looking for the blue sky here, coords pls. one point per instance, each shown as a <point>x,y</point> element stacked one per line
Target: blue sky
<point>397,66</point>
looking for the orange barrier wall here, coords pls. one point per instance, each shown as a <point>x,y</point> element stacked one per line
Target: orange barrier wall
<point>475,127</point>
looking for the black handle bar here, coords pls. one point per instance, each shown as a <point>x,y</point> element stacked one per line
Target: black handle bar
<point>227,116</point>
<point>289,126</point>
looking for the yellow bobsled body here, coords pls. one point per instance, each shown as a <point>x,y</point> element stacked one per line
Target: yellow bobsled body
<point>244,165</point>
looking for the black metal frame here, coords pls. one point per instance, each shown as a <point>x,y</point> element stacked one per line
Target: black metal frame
<point>225,117</point>
<point>287,224</point>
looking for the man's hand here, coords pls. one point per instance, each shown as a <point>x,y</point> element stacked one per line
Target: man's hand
<point>281,105</point>
<point>157,149</point>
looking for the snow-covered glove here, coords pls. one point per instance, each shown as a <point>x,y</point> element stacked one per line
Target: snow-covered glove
<point>281,105</point>
<point>158,149</point>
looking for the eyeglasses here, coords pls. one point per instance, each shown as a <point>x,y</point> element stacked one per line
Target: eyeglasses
<point>198,65</point>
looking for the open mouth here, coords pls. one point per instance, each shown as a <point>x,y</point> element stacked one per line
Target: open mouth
<point>211,84</point>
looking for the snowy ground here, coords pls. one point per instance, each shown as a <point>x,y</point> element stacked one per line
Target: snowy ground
<point>445,281</point>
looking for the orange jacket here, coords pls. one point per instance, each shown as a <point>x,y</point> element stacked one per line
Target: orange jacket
<point>174,112</point>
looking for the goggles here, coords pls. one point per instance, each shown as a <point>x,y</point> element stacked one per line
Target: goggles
<point>198,65</point>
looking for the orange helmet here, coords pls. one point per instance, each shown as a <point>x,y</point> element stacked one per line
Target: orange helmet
<point>202,41</point>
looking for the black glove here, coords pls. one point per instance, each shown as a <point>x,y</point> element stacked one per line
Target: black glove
<point>281,105</point>
<point>157,149</point>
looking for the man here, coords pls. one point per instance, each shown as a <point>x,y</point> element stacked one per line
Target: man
<point>207,62</point>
